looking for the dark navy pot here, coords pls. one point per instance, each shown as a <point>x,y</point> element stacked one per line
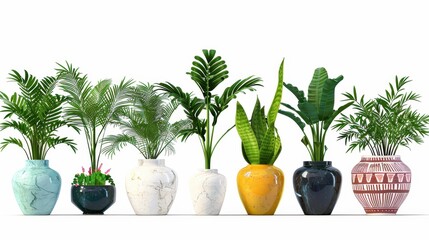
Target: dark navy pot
<point>317,187</point>
<point>93,199</point>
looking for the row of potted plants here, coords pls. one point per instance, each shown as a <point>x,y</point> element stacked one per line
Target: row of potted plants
<point>143,113</point>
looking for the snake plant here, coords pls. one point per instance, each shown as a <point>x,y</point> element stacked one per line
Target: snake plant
<point>317,111</point>
<point>207,72</point>
<point>261,142</point>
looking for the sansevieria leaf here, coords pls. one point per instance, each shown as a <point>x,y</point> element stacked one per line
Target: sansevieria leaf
<point>248,138</point>
<point>275,105</point>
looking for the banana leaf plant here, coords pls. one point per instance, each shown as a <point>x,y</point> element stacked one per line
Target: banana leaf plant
<point>317,111</point>
<point>35,112</point>
<point>261,142</point>
<point>207,72</point>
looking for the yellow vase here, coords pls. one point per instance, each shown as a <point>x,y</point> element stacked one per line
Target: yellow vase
<point>260,187</point>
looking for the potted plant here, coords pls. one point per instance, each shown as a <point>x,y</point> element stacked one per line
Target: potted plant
<point>35,112</point>
<point>260,183</point>
<point>317,183</point>
<point>208,186</point>
<point>381,181</point>
<point>151,186</point>
<point>92,108</point>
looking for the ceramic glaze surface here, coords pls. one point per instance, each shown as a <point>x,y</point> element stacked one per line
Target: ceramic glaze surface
<point>317,187</point>
<point>260,188</point>
<point>208,189</point>
<point>36,187</point>
<point>93,199</point>
<point>151,187</point>
<point>381,183</point>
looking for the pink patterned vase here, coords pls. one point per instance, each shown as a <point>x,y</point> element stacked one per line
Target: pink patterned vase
<point>381,183</point>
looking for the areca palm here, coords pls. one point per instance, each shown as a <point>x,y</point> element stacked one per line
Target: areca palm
<point>35,113</point>
<point>146,125</point>
<point>92,108</point>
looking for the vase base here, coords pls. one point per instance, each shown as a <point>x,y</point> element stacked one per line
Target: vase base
<point>380,211</point>
<point>381,214</point>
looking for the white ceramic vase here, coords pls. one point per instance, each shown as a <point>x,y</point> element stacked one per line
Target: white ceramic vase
<point>151,187</point>
<point>208,189</point>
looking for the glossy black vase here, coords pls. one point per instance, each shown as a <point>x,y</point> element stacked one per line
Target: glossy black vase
<point>317,187</point>
<point>93,199</point>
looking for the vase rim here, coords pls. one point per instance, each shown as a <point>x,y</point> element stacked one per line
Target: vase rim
<point>317,163</point>
<point>75,186</point>
<point>214,170</point>
<point>368,156</point>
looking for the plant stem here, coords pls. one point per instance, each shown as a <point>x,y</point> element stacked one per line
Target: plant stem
<point>207,154</point>
<point>229,129</point>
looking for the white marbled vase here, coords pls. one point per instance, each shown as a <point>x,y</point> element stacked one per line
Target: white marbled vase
<point>208,189</point>
<point>151,187</point>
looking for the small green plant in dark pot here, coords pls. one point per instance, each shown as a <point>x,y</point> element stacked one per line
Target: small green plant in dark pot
<point>93,109</point>
<point>317,184</point>
<point>35,112</point>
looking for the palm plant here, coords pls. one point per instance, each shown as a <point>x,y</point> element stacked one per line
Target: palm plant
<point>317,111</point>
<point>92,108</point>
<point>146,125</point>
<point>384,123</point>
<point>207,72</point>
<point>261,142</point>
<point>35,113</point>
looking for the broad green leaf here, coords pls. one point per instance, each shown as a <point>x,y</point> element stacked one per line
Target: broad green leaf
<point>310,111</point>
<point>303,116</point>
<point>327,100</point>
<point>315,89</point>
<point>246,134</point>
<point>292,116</point>
<point>328,122</point>
<point>298,93</point>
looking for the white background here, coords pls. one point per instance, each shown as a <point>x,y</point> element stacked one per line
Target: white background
<point>368,42</point>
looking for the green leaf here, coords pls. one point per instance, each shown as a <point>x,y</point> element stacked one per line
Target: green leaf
<point>315,89</point>
<point>298,93</point>
<point>292,116</point>
<point>328,122</point>
<point>275,105</point>
<point>258,122</point>
<point>268,146</point>
<point>327,100</point>
<point>309,111</point>
<point>246,134</point>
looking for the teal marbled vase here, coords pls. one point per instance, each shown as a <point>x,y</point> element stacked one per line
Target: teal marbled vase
<point>36,187</point>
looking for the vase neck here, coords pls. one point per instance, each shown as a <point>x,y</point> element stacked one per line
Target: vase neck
<point>152,162</point>
<point>317,164</point>
<point>209,170</point>
<point>375,158</point>
<point>37,163</point>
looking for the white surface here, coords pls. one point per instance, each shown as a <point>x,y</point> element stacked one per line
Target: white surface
<point>208,188</point>
<point>368,42</point>
<point>151,187</point>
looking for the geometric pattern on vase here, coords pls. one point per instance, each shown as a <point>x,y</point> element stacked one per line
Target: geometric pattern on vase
<point>381,183</point>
